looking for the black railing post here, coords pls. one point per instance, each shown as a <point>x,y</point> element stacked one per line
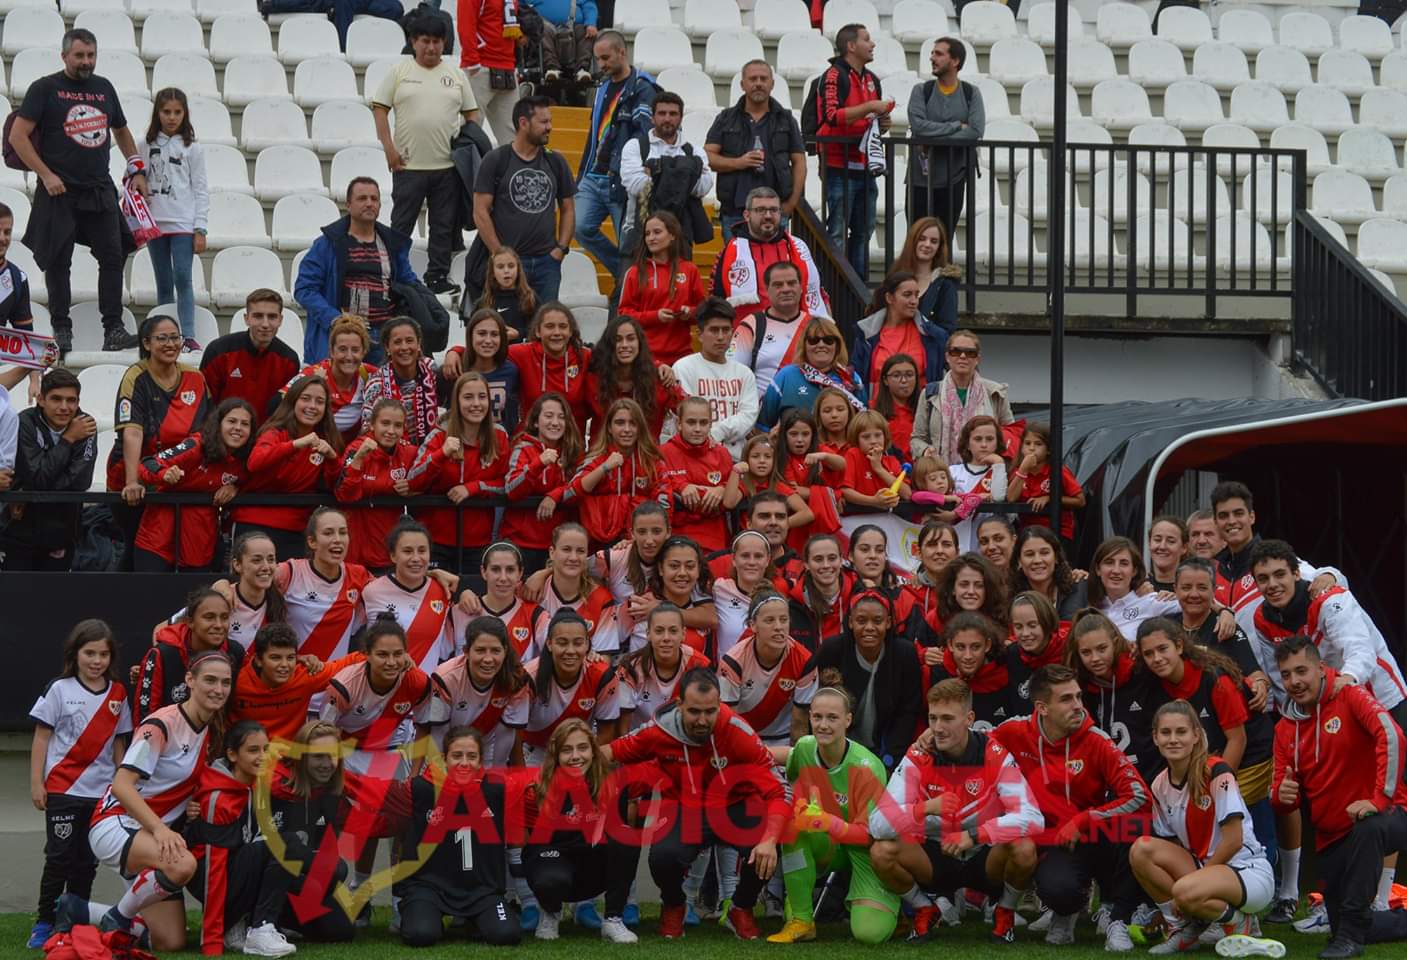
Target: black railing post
<point>1131,226</point>
<point>1055,272</point>
<point>1209,277</point>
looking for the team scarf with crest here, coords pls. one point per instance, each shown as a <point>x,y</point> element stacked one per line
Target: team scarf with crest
<point>25,348</point>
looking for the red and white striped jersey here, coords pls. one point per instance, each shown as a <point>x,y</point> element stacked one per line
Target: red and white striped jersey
<point>423,613</point>
<point>324,613</point>
<point>495,714</point>
<point>1198,826</point>
<point>168,755</point>
<point>598,608</point>
<point>645,691</point>
<point>763,696</point>
<point>371,718</point>
<point>612,565</point>
<point>731,605</point>
<point>79,762</point>
<point>518,619</point>
<point>591,697</point>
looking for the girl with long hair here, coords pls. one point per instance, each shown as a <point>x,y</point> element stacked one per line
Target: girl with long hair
<point>82,723</point>
<point>799,461</point>
<point>619,472</point>
<point>323,590</point>
<point>1030,483</point>
<point>973,653</point>
<point>502,573</point>
<point>408,376</point>
<point>968,584</point>
<point>414,599</point>
<point>297,450</point>
<point>895,395</point>
<point>1114,692</point>
<point>996,540</point>
<point>870,472</point>
<point>487,337</point>
<point>1038,638</point>
<point>543,462</point>
<point>648,678</point>
<point>210,461</point>
<point>376,464</point>
<point>981,474</point>
<point>1168,546</point>
<point>507,293</point>
<point>204,628</point>
<point>566,683</point>
<point>345,371</point>
<point>768,678</point>
<point>700,479</point>
<point>932,480</point>
<point>869,559</point>
<point>553,360</point>
<point>832,413</point>
<point>917,603</point>
<point>254,597</point>
<point>622,366</point>
<point>486,690</point>
<point>821,595</point>
<point>571,586</point>
<point>1120,589</point>
<point>682,580</point>
<point>465,457</point>
<point>758,472</point>
<point>179,200</point>
<point>662,289</point>
<point>925,254</point>
<point>751,570</point>
<point>1038,564</point>
<point>896,324</point>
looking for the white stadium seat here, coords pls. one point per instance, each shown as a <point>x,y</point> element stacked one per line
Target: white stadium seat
<point>1187,27</point>
<point>141,9</point>
<point>1007,129</point>
<point>282,170</point>
<point>1301,136</point>
<point>729,49</point>
<point>251,78</point>
<point>694,129</point>
<point>1158,134</point>
<point>191,72</point>
<point>138,110</point>
<point>1084,132</point>
<point>781,92</point>
<point>306,35</point>
<point>994,98</point>
<point>240,36</point>
<point>374,74</point>
<point>1368,153</point>
<point>580,286</point>
<point>1002,238</point>
<point>370,39</point>
<point>211,10</point>
<point>1346,70</point>
<point>1308,33</point>
<point>343,123</point>
<point>164,33</point>
<point>1259,105</point>
<point>268,123</point>
<point>1187,188</point>
<point>321,79</point>
<point>1251,242</point>
<point>290,331</point>
<point>1221,65</point>
<point>236,220</point>
<point>1038,102</point>
<point>32,27</point>
<point>1121,25</point>
<point>800,55</point>
<point>900,86</point>
<point>638,14</point>
<point>1370,36</point>
<point>125,71</point>
<point>8,6</point>
<point>1191,105</point>
<point>1156,63</point>
<point>207,328</point>
<point>838,13</point>
<point>1325,109</point>
<point>19,206</point>
<point>238,270</point>
<point>1120,104</point>
<point>984,22</point>
<point>1091,62</point>
<point>71,8</point>
<point>1110,200</point>
<point>773,19</point>
<point>359,162</point>
<point>1382,244</point>
<point>889,57</point>
<point>226,169</point>
<point>1384,110</point>
<point>1236,134</point>
<point>212,119</point>
<point>1342,196</point>
<point>113,28</point>
<point>659,47</point>
<point>704,18</point>
<point>1273,199</point>
<point>1393,71</point>
<point>915,21</point>
<point>20,255</point>
<point>1169,238</point>
<point>691,83</point>
<point>1030,193</point>
<point>299,219</point>
<point>1395,197</point>
<point>1285,67</point>
<point>1016,61</point>
<point>1040,25</point>
<point>99,385</point>
<point>1248,30</point>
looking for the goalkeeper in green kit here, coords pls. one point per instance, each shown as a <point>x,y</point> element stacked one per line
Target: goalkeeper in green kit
<point>835,782</point>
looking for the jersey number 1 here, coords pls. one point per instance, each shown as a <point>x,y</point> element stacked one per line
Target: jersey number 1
<point>465,838</point>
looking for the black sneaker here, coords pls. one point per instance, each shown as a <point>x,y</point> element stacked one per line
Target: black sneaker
<point>443,285</point>
<point>117,338</point>
<point>1340,948</point>
<point>63,337</point>
<point>1282,911</point>
<point>70,910</point>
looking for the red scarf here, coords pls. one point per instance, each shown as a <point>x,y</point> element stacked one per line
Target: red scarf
<point>990,676</point>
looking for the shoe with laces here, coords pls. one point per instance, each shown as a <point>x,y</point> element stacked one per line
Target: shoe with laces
<point>586,916</point>
<point>63,336</point>
<point>117,338</point>
<point>1244,945</point>
<point>1100,919</point>
<point>949,913</point>
<point>794,931</point>
<point>741,922</point>
<point>39,935</point>
<point>1340,948</point>
<point>528,918</point>
<point>265,941</point>
<point>1003,925</point>
<point>1317,921</point>
<point>925,919</point>
<point>1282,911</point>
<point>614,930</point>
<point>191,345</point>
<point>672,922</point>
<point>1181,938</point>
<point>236,935</point>
<point>720,912</point>
<point>547,925</point>
<point>1042,923</point>
<point>1116,937</point>
<point>1061,931</point>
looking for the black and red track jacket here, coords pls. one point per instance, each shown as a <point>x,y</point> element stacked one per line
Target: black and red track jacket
<point>234,368</point>
<point>162,676</point>
<point>198,531</point>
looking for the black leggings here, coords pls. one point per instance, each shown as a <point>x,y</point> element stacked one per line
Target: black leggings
<point>672,854</point>
<point>1063,877</point>
<point>422,923</point>
<point>256,885</point>
<point>68,863</point>
<point>565,874</point>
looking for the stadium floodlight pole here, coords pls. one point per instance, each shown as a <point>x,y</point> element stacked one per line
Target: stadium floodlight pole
<point>1056,260</point>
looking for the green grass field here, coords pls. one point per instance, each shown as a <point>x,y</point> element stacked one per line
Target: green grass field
<point>708,942</point>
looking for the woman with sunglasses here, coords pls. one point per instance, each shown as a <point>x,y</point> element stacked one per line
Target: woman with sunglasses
<point>822,362</point>
<point>962,394</point>
<point>895,325</point>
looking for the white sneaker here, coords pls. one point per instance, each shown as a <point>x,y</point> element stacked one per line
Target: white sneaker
<point>949,913</point>
<point>234,936</point>
<point>265,941</point>
<point>1143,915</point>
<point>1061,931</point>
<point>1316,922</point>
<point>547,925</point>
<point>1042,923</point>
<point>614,930</point>
<point>1240,945</point>
<point>1212,934</point>
<point>1180,939</point>
<point>1116,937</point>
<point>1100,919</point>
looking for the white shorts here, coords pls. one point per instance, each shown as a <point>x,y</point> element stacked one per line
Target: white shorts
<point>1257,884</point>
<point>109,839</point>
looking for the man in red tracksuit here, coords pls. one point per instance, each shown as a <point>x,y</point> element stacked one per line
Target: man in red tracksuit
<point>715,774</point>
<point>699,474</point>
<point>1091,796</point>
<point>1359,810</point>
<point>488,35</point>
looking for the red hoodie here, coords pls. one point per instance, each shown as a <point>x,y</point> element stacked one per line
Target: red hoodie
<point>481,40</point>
<point>1327,751</point>
<point>667,400</point>
<point>276,467</point>
<point>706,465</point>
<point>1082,780</point>
<point>538,374</point>
<point>606,510</point>
<point>436,472</point>
<point>644,298</point>
<point>198,524</point>
<point>162,672</point>
<point>376,477</point>
<point>528,477</point>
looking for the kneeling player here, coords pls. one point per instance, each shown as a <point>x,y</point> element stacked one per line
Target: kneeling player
<point>960,814</point>
<point>1205,864</point>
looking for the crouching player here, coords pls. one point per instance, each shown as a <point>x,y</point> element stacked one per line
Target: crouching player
<point>836,782</point>
<point>959,814</point>
<point>1205,864</point>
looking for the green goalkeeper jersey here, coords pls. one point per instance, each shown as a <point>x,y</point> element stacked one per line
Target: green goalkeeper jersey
<point>858,778</point>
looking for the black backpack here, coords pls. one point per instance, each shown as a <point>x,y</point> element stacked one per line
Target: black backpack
<point>811,107</point>
<point>672,181</point>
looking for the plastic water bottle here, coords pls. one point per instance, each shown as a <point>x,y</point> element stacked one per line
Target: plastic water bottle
<point>757,145</point>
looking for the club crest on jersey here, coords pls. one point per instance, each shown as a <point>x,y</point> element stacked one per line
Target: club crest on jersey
<point>351,596</point>
<point>180,693</point>
<point>738,273</point>
<point>1024,690</point>
<point>639,483</point>
<point>115,706</point>
<point>498,703</point>
<point>401,707</point>
<point>1204,803</point>
<point>63,830</point>
<point>438,606</point>
<point>520,633</point>
<point>1333,725</point>
<point>587,703</point>
<point>188,397</point>
<point>315,458</point>
<point>973,785</point>
<point>229,479</point>
<point>787,684</point>
<point>124,411</point>
<point>398,473</point>
<point>1074,766</point>
<point>715,477</point>
<point>572,371</point>
<point>719,762</point>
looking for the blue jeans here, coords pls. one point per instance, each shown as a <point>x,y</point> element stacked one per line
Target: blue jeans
<point>171,258</point>
<point>593,205</point>
<point>850,215</point>
<point>544,276</point>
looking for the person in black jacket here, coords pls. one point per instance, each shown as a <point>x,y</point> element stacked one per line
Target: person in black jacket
<point>57,449</point>
<point>756,143</point>
<point>881,671</point>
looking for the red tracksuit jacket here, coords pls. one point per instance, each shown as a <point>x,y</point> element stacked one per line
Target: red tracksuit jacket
<point>529,477</point>
<point>643,297</point>
<point>375,477</point>
<point>538,374</point>
<point>606,511</point>
<point>198,524</point>
<point>434,472</point>
<point>707,465</point>
<point>275,467</point>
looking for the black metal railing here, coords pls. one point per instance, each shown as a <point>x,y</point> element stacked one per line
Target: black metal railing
<point>1350,332</point>
<point>848,292</point>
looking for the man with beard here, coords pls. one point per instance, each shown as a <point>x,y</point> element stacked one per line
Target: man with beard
<point>639,171</point>
<point>741,274</point>
<point>756,143</point>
